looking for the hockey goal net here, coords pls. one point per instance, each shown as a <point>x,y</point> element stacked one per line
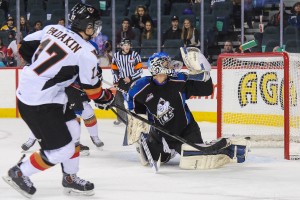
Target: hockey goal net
<point>259,97</point>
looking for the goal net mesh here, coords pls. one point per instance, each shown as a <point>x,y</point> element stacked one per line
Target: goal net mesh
<point>251,98</point>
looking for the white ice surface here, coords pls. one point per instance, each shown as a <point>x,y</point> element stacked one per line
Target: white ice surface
<point>117,174</point>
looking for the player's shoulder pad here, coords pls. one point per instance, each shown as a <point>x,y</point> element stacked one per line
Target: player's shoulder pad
<point>139,84</point>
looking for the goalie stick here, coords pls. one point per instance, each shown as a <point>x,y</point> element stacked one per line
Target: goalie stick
<point>221,143</point>
<point>154,165</point>
<point>125,143</point>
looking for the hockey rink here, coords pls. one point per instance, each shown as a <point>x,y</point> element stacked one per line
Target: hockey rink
<point>118,175</point>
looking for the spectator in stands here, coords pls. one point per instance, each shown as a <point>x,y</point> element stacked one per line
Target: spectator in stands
<point>189,34</point>
<point>228,47</point>
<point>4,5</point>
<point>294,19</point>
<point>139,18</point>
<point>11,36</point>
<point>215,1</point>
<point>3,48</point>
<point>148,32</point>
<point>38,25</point>
<point>125,32</point>
<point>248,13</point>
<point>174,32</point>
<point>9,26</point>
<point>3,60</point>
<point>61,21</point>
<point>13,56</point>
<point>275,19</point>
<point>24,26</point>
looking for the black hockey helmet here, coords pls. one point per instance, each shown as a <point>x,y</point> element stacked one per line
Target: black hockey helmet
<point>125,41</point>
<point>83,15</point>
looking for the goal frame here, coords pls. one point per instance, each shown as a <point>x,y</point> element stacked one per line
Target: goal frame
<point>286,92</point>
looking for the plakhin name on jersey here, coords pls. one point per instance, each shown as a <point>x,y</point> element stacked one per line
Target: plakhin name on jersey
<point>69,41</point>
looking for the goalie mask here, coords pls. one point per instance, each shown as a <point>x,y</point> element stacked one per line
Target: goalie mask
<point>83,16</point>
<point>161,63</point>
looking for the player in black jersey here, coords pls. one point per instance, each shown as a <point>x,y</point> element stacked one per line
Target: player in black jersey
<point>163,96</point>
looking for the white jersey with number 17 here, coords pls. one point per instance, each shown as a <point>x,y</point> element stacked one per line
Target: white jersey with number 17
<point>61,56</point>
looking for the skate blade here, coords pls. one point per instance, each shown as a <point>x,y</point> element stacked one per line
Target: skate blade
<point>84,153</point>
<point>10,182</point>
<point>73,192</point>
<point>100,148</point>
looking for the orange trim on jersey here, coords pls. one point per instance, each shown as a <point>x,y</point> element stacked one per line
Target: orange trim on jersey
<point>77,151</point>
<point>114,67</point>
<point>90,122</point>
<point>94,93</point>
<point>138,66</point>
<point>37,161</point>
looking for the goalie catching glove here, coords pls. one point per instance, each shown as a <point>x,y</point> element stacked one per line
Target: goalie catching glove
<point>198,66</point>
<point>106,100</point>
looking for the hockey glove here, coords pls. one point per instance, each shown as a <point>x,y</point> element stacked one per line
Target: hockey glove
<point>197,64</point>
<point>106,102</point>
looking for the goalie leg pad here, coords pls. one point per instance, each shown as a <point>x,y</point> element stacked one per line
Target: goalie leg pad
<point>192,158</point>
<point>134,129</point>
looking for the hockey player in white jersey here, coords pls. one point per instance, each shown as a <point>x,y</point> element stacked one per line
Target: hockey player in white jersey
<point>62,56</point>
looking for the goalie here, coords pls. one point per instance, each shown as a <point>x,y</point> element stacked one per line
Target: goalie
<point>162,97</point>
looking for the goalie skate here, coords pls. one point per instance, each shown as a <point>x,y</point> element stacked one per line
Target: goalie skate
<point>75,186</point>
<point>20,183</point>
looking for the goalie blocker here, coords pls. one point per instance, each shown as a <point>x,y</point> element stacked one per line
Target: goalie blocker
<point>236,152</point>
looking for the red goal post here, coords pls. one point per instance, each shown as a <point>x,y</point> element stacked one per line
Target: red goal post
<point>258,96</point>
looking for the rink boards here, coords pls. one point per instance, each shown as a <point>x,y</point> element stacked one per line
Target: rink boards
<point>204,109</point>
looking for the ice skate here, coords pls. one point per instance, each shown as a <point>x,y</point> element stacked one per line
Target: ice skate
<point>84,150</point>
<point>97,142</point>
<point>74,185</point>
<point>19,182</point>
<point>28,144</point>
<point>117,123</point>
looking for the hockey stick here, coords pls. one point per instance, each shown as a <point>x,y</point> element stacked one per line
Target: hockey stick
<point>125,143</point>
<point>216,146</point>
<point>154,165</point>
<point>222,143</point>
